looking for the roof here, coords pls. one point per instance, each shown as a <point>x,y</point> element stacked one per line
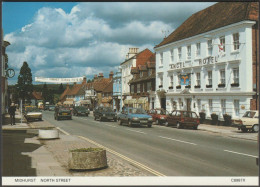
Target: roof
<point>37,95</point>
<point>109,87</point>
<point>141,57</point>
<point>214,17</point>
<point>99,85</point>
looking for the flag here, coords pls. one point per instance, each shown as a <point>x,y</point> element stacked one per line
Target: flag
<point>221,50</point>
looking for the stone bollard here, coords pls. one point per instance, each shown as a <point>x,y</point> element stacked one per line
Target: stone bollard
<point>87,159</point>
<point>48,134</point>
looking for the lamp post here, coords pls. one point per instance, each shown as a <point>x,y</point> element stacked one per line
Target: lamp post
<point>121,89</point>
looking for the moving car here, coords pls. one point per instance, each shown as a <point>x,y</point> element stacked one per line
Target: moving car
<point>62,113</point>
<point>32,113</point>
<point>134,116</point>
<point>181,118</point>
<point>249,121</point>
<point>101,113</point>
<point>80,111</point>
<point>159,115</point>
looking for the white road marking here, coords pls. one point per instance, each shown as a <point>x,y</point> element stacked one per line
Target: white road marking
<point>63,131</point>
<point>136,131</point>
<point>124,157</point>
<point>241,153</point>
<point>177,140</point>
<point>110,125</point>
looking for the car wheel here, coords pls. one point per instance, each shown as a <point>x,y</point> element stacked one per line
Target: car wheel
<point>86,115</point>
<point>150,125</point>
<point>101,119</point>
<point>115,120</point>
<point>255,128</point>
<point>195,127</point>
<point>244,130</point>
<point>119,122</point>
<point>58,118</point>
<point>130,123</point>
<point>178,125</point>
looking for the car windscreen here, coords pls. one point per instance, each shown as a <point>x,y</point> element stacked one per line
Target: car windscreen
<point>81,108</point>
<point>249,114</point>
<point>64,110</point>
<point>190,114</point>
<point>137,111</point>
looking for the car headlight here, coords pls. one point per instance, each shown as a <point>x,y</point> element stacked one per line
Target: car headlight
<point>150,119</point>
<point>134,118</point>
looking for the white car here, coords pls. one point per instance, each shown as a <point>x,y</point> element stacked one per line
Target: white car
<point>33,113</point>
<point>249,121</point>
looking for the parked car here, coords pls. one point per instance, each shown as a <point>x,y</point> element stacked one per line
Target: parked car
<point>101,113</point>
<point>32,113</point>
<point>134,116</point>
<point>62,113</point>
<point>46,107</point>
<point>51,107</point>
<point>181,118</point>
<point>80,111</point>
<point>159,115</point>
<point>249,121</point>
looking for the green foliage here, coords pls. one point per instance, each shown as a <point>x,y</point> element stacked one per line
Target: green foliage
<point>24,84</point>
<point>90,149</point>
<point>61,88</point>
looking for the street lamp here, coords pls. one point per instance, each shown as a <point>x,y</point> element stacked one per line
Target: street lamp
<point>120,82</point>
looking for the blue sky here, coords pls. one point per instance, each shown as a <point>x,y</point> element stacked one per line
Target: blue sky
<point>68,39</point>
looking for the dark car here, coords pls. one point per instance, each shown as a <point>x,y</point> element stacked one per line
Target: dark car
<point>182,118</point>
<point>62,113</point>
<point>134,116</point>
<point>80,111</point>
<point>159,115</point>
<point>51,107</point>
<point>104,113</point>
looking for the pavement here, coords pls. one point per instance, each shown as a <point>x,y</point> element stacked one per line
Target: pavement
<point>24,154</point>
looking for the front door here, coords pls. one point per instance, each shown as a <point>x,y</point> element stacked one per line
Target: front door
<point>163,103</point>
<point>188,102</point>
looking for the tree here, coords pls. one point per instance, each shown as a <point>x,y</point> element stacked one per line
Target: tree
<point>24,84</point>
<point>61,88</point>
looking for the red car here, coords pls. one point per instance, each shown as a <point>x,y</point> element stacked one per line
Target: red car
<point>181,118</point>
<point>159,115</point>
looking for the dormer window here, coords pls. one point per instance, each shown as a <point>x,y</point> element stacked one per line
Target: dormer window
<point>210,47</point>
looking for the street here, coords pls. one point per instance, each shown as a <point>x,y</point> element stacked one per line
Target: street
<point>167,150</point>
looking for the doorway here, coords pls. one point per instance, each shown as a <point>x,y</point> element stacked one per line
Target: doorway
<point>163,103</point>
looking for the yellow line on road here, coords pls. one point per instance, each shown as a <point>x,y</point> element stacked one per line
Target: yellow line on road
<point>124,157</point>
<point>63,131</point>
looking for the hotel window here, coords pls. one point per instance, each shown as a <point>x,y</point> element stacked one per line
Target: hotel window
<point>236,41</point>
<point>161,59</point>
<point>222,43</point>
<point>179,53</point>
<point>197,49</point>
<point>171,80</point>
<point>236,75</point>
<point>172,56</point>
<point>236,107</point>
<point>210,106</point>
<point>210,47</point>
<point>138,88</point>
<point>209,77</point>
<point>188,52</point>
<point>222,76</point>
<point>198,79</point>
<point>149,85</point>
<point>199,104</point>
<point>223,106</point>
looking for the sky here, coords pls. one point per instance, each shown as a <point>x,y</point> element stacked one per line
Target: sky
<point>75,39</point>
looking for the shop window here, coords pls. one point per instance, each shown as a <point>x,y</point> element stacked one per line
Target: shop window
<point>188,52</point>
<point>197,49</point>
<point>236,41</point>
<point>236,107</point>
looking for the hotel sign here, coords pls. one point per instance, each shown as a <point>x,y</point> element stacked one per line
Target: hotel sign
<point>202,62</point>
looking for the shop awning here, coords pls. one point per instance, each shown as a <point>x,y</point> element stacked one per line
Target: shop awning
<point>142,100</point>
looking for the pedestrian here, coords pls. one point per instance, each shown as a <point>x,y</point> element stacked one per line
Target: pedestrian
<point>11,111</point>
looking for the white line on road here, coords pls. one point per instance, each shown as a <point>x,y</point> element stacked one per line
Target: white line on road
<point>177,140</point>
<point>241,154</point>
<point>136,131</point>
<point>110,125</point>
<point>63,131</point>
<point>124,157</point>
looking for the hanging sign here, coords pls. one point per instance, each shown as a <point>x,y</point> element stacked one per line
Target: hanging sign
<point>185,80</point>
<point>59,80</point>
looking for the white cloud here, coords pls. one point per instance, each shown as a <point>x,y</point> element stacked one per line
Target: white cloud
<point>93,37</point>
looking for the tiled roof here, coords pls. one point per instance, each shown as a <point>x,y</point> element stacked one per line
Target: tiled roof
<point>66,91</point>
<point>214,17</point>
<point>141,57</point>
<point>109,87</point>
<point>99,85</point>
<point>75,89</point>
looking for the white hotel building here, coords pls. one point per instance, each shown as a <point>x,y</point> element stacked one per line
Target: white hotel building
<point>221,76</point>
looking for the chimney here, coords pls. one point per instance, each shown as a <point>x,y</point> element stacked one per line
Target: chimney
<point>111,74</point>
<point>100,76</point>
<point>132,52</point>
<point>95,77</point>
<point>67,86</point>
<point>84,80</point>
